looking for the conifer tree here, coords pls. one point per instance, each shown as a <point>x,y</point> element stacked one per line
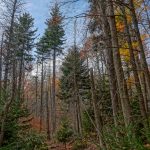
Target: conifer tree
<point>74,84</point>
<point>41,54</point>
<point>54,36</point>
<point>24,36</point>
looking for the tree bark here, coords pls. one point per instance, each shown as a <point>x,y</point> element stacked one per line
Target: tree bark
<point>138,36</point>
<point>10,34</point>
<point>118,66</point>
<point>109,61</point>
<point>134,67</point>
<point>42,86</point>
<point>1,64</point>
<point>78,106</point>
<point>14,78</point>
<point>47,116</point>
<point>36,90</point>
<point>20,79</point>
<point>98,121</point>
<point>53,111</point>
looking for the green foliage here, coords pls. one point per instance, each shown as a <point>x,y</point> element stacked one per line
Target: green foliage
<point>41,50</point>
<point>24,36</point>
<point>29,140</point>
<point>74,67</point>
<point>18,136</point>
<point>65,132</point>
<point>145,134</point>
<point>103,96</point>
<point>126,138</point>
<point>33,141</point>
<point>87,116</point>
<point>79,144</point>
<point>54,34</point>
<point>135,107</point>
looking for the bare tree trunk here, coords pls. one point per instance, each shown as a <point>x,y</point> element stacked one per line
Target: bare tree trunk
<point>42,86</point>
<point>134,68</point>
<point>78,106</point>
<point>23,81</point>
<point>128,76</point>
<point>1,64</point>
<point>118,65</point>
<point>145,94</point>
<point>36,90</point>
<point>109,59</point>
<point>54,94</point>
<point>50,98</point>
<point>99,124</point>
<point>47,116</point>
<point>14,79</point>
<point>142,53</point>
<point>20,79</point>
<point>10,34</point>
<point>142,78</point>
<point>147,13</point>
<point>73,111</point>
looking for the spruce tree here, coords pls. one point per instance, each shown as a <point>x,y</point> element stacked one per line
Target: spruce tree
<point>74,83</point>
<point>41,56</point>
<point>25,34</point>
<point>54,35</point>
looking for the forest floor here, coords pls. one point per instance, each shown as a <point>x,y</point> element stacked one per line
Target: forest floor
<point>53,145</point>
<point>56,146</point>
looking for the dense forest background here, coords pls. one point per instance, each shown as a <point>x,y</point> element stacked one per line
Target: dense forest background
<point>82,83</point>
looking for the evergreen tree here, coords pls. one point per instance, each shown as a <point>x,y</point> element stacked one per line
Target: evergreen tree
<point>24,36</point>
<point>74,83</point>
<point>54,36</point>
<point>41,55</point>
<point>74,64</point>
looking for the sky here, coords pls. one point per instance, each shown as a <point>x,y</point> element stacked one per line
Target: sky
<point>40,9</point>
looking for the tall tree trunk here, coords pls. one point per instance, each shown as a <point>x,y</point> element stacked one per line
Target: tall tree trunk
<point>20,79</point>
<point>47,116</point>
<point>109,59</point>
<point>73,111</point>
<point>129,76</point>
<point>98,119</point>
<point>53,111</point>
<point>42,86</point>
<point>1,64</point>
<point>10,34</point>
<point>145,92</point>
<point>118,65</point>
<point>134,67</point>
<point>147,13</point>
<point>142,78</point>
<point>50,98</point>
<point>36,90</point>
<point>14,78</point>
<point>117,62</point>
<point>142,52</point>
<point>78,106</point>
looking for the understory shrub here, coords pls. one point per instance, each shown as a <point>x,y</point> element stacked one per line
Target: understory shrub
<point>65,132</point>
<point>122,138</point>
<point>18,136</point>
<point>79,144</point>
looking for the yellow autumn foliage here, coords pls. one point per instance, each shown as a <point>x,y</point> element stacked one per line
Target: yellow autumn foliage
<point>137,3</point>
<point>124,52</point>
<point>130,81</point>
